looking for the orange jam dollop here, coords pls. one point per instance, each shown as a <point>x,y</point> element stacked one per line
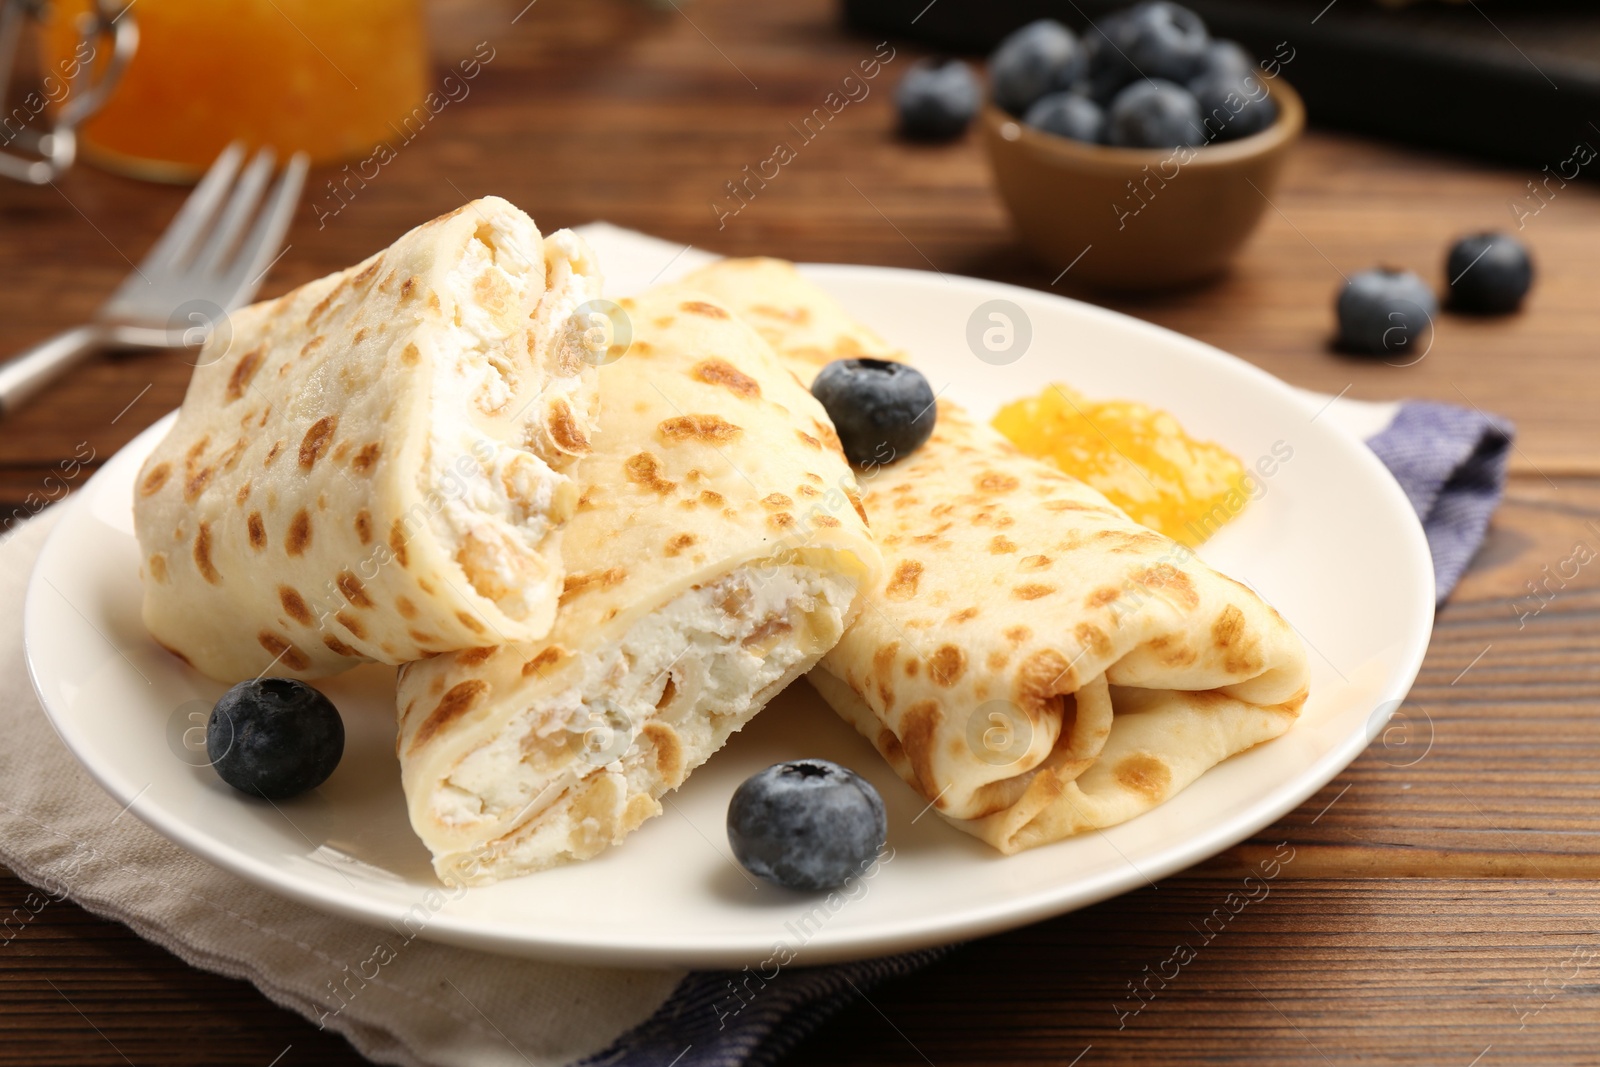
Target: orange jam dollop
<point>1138,456</point>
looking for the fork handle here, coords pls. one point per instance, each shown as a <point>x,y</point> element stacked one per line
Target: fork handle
<point>23,375</point>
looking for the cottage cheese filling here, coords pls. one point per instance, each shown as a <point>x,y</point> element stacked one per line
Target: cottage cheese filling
<point>493,502</point>
<point>708,652</point>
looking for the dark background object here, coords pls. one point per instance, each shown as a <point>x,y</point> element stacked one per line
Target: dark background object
<point>1512,82</point>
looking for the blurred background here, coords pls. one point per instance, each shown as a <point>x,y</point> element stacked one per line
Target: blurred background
<point>1515,81</point>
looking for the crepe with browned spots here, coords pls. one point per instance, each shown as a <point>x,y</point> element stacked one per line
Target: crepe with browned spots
<point>714,556</point>
<point>371,467</point>
<point>1032,662</point>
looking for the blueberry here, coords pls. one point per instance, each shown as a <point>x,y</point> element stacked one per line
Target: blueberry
<point>1489,273</point>
<point>1041,56</point>
<point>1233,106</point>
<point>1383,312</point>
<point>1150,40</point>
<point>1106,68</point>
<point>807,824</point>
<point>274,737</point>
<point>1224,58</point>
<point>1164,40</point>
<point>937,99</point>
<point>881,410</point>
<point>1154,114</point>
<point>1071,115</point>
<point>1096,36</point>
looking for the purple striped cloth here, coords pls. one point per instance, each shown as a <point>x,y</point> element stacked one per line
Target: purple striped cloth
<point>1451,462</point>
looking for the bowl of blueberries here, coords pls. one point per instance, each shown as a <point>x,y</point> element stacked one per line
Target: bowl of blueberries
<point>1141,153</point>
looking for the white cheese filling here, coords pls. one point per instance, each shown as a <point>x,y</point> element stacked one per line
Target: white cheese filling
<point>708,652</point>
<point>493,502</point>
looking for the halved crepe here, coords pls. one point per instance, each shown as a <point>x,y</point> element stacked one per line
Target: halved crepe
<point>713,557</point>
<point>1032,661</point>
<point>371,466</point>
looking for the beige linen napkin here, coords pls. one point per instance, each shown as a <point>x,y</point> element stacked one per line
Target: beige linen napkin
<point>426,1005</point>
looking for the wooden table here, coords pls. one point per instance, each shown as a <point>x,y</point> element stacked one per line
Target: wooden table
<point>1441,904</point>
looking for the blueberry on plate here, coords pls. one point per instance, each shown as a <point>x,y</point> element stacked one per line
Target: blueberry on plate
<point>1226,59</point>
<point>274,737</point>
<point>937,99</point>
<point>1154,114</point>
<point>1489,273</point>
<point>807,824</point>
<point>1041,56</point>
<point>1233,106</point>
<point>1383,312</point>
<point>1071,115</point>
<point>881,410</point>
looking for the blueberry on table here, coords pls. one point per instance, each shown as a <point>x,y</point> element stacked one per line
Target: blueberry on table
<point>1489,273</point>
<point>881,410</point>
<point>1071,115</point>
<point>937,99</point>
<point>1383,312</point>
<point>807,824</point>
<point>1233,106</point>
<point>1041,56</point>
<point>1154,114</point>
<point>274,738</point>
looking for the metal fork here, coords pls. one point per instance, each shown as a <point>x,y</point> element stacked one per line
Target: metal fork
<point>198,271</point>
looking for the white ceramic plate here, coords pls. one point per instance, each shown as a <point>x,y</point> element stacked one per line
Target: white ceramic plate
<point>1332,544</point>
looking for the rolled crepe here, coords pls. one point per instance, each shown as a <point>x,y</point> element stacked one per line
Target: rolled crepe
<point>371,466</point>
<point>1032,662</point>
<point>713,557</point>
<point>804,325</point>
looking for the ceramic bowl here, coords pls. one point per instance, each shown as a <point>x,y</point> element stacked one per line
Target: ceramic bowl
<point>1138,218</point>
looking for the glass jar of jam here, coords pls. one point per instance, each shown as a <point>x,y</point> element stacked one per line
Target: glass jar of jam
<point>327,77</point>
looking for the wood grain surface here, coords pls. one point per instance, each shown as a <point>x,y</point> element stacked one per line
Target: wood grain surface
<point>1441,907</point>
